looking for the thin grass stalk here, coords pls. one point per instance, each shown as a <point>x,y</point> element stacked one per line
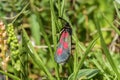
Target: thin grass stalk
<point>53,19</point>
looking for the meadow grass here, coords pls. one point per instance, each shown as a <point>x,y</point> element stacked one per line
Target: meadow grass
<point>39,27</point>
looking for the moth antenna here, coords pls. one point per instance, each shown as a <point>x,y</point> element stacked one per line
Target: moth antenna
<point>67,23</point>
<point>62,19</point>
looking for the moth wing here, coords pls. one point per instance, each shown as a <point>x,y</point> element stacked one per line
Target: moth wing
<point>64,48</point>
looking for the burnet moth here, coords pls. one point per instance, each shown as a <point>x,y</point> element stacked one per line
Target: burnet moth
<point>64,45</point>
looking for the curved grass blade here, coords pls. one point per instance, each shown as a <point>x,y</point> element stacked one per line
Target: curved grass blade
<point>85,74</point>
<point>10,75</point>
<point>91,45</point>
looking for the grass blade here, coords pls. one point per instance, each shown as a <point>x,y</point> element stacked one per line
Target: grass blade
<point>10,75</point>
<point>35,29</point>
<point>106,51</point>
<point>85,74</point>
<point>91,45</point>
<point>115,28</point>
<point>34,55</point>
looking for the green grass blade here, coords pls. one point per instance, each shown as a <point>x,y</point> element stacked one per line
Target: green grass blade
<point>35,29</point>
<point>114,27</point>
<point>62,7</point>
<point>106,51</point>
<point>91,45</point>
<point>10,75</point>
<point>49,46</point>
<point>116,8</point>
<point>53,22</point>
<point>35,57</point>
<point>100,67</point>
<point>85,74</point>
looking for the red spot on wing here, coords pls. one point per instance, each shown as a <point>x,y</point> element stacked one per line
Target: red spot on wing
<point>63,35</point>
<point>65,45</point>
<point>59,51</point>
<point>61,39</point>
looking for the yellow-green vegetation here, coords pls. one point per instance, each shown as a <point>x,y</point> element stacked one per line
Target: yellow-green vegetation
<point>30,31</point>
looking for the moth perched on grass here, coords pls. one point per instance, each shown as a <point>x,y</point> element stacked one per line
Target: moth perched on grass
<point>64,45</point>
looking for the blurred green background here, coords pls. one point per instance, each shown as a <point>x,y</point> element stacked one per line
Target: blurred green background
<point>97,59</point>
